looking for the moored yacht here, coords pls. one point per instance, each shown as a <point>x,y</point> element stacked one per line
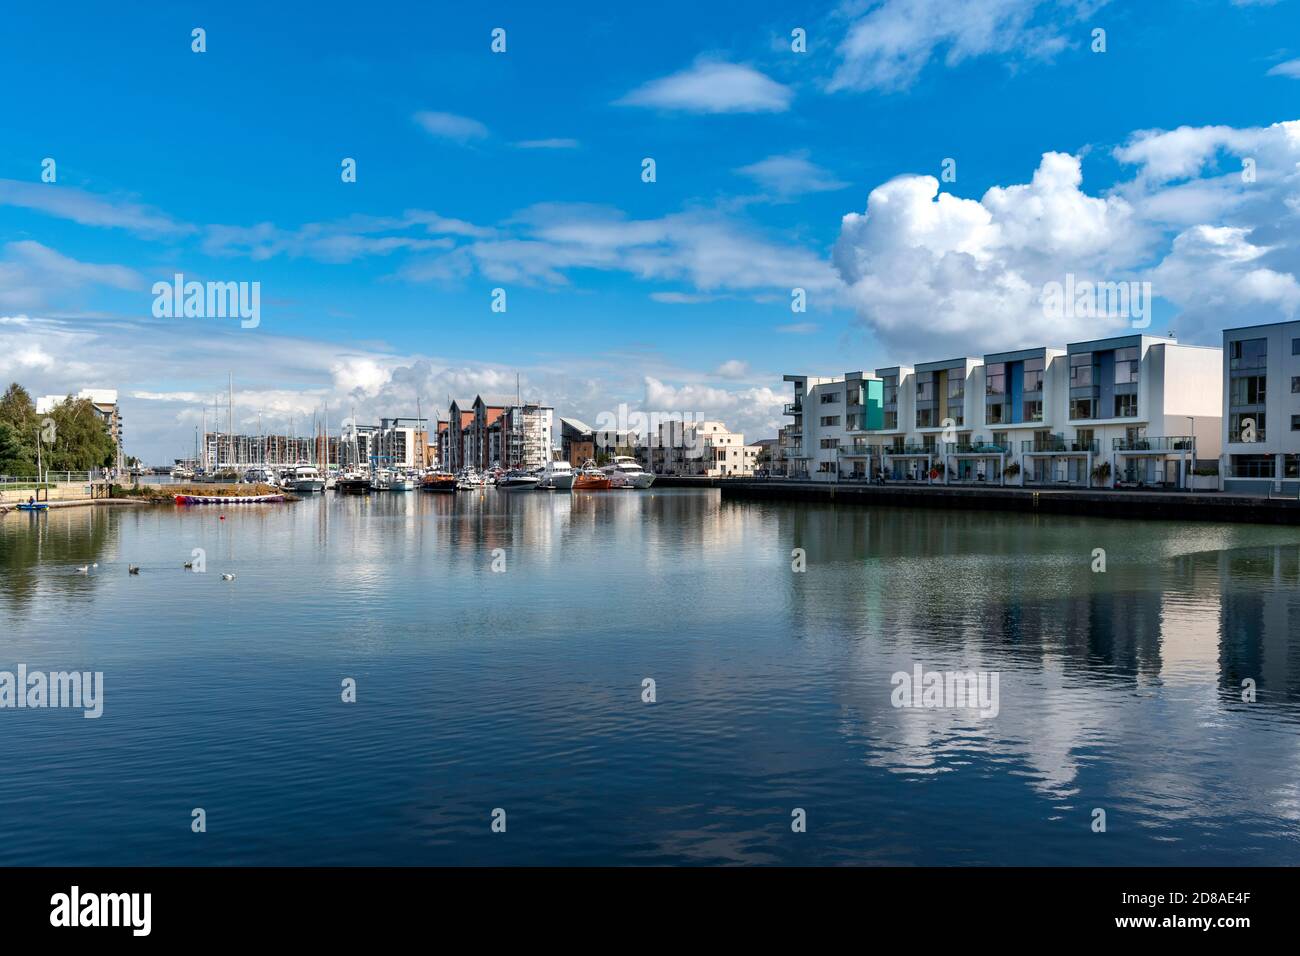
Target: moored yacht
<point>590,478</point>
<point>626,472</point>
<point>517,479</point>
<point>306,480</point>
<point>556,476</point>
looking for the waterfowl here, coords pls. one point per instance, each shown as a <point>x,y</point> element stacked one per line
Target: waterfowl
<point>133,569</point>
<point>227,577</point>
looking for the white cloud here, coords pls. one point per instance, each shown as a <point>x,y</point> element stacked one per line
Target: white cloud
<point>556,143</point>
<point>32,274</point>
<point>713,86</point>
<point>754,411</point>
<point>1291,68</point>
<point>890,42</point>
<point>458,129</point>
<point>732,368</point>
<point>798,328</point>
<point>792,174</point>
<point>67,202</point>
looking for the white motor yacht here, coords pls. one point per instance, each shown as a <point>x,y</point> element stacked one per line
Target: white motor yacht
<point>306,479</point>
<point>626,472</point>
<point>556,476</point>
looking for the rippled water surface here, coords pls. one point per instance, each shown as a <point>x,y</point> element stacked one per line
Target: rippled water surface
<point>522,689</point>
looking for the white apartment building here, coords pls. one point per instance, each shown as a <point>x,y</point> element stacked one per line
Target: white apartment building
<point>1130,410</point>
<point>1261,408</point>
<point>698,449</point>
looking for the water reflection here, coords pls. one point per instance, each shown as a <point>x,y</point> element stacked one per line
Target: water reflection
<point>1119,689</point>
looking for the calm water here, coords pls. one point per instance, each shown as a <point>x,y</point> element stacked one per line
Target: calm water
<point>522,690</point>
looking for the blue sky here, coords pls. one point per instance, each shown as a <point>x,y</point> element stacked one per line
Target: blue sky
<point>522,170</point>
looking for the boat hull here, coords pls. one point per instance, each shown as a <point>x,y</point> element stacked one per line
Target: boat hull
<point>227,499</point>
<point>517,484</point>
<point>556,483</point>
<point>354,486</point>
<point>444,486</point>
<point>308,486</point>
<point>591,484</point>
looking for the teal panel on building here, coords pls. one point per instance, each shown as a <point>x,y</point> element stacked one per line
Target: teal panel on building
<point>873,404</point>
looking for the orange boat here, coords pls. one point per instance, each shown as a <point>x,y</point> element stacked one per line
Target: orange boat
<point>590,478</point>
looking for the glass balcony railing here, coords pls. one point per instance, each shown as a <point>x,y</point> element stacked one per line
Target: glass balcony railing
<point>794,408</point>
<point>1168,443</point>
<point>977,448</point>
<point>911,450</point>
<point>1057,444</point>
<point>859,451</point>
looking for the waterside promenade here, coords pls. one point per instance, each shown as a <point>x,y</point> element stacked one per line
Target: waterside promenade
<point>1167,505</point>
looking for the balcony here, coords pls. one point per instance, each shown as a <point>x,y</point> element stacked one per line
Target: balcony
<point>910,450</point>
<point>1181,443</point>
<point>978,448</point>
<point>859,451</point>
<point>793,408</point>
<point>1058,445</point>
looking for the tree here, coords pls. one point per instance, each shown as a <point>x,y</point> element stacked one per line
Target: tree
<point>81,438</point>
<point>18,417</point>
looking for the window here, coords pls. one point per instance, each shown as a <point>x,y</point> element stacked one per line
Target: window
<point>1081,370</point>
<point>958,415</point>
<point>1246,427</point>
<point>1034,411</point>
<point>956,385</point>
<point>1126,406</point>
<point>1248,390</point>
<point>993,414</point>
<point>1248,353</point>
<point>925,386</point>
<point>830,443</point>
<point>1295,346</point>
<point>1033,376</point>
<point>891,420</point>
<point>995,379</point>
<point>1126,366</point>
<point>830,420</point>
<point>925,417</point>
<point>1295,423</point>
<point>889,389</point>
<point>1081,408</point>
<point>1295,382</point>
<point>1084,437</point>
<point>1252,466</point>
<point>1000,438</point>
<point>830,398</point>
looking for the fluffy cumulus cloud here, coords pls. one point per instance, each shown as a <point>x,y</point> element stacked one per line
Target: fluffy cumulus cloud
<point>1209,218</point>
<point>890,42</point>
<point>754,410</point>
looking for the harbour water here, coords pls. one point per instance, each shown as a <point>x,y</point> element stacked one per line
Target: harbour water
<point>521,688</point>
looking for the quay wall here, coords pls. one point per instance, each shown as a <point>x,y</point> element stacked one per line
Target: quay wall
<point>1174,506</point>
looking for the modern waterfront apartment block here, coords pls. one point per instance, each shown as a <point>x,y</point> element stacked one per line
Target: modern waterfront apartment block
<point>1133,410</point>
<point>1261,408</point>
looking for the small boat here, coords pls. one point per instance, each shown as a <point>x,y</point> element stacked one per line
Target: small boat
<point>626,472</point>
<point>469,480</point>
<point>33,506</point>
<point>307,480</point>
<point>438,481</point>
<point>400,482</point>
<point>227,499</point>
<point>353,485</point>
<point>556,476</point>
<point>517,479</point>
<point>590,478</point>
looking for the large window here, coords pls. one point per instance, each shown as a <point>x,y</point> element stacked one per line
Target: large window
<point>925,386</point>
<point>830,398</point>
<point>830,420</point>
<point>891,420</point>
<point>993,414</point>
<point>1252,466</point>
<point>1081,370</point>
<point>1033,376</point>
<point>1248,390</point>
<point>1295,384</point>
<point>1242,424</point>
<point>956,385</point>
<point>1126,366</point>
<point>830,443</point>
<point>995,379</point>
<point>926,417</point>
<point>1248,353</point>
<point>1033,411</point>
<point>1295,423</point>
<point>889,390</point>
<point>1081,408</point>
<point>1126,406</point>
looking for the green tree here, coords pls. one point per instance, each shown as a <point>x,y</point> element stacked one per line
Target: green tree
<point>81,438</point>
<point>18,417</point>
